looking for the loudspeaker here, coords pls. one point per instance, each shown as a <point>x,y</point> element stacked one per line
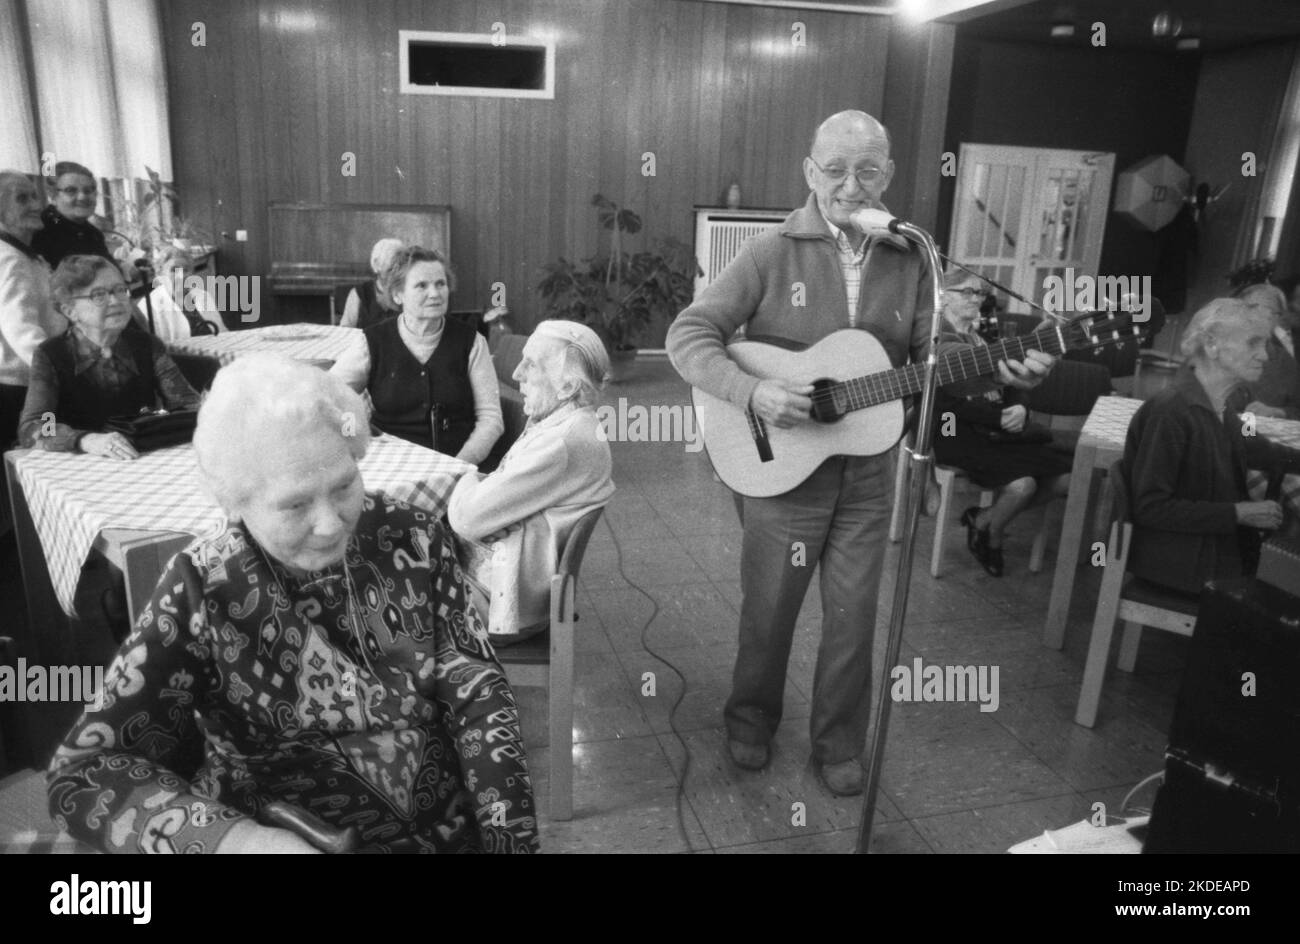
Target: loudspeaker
<point>1232,769</point>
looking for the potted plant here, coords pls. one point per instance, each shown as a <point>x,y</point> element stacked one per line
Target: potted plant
<point>616,292</point>
<point>148,226</point>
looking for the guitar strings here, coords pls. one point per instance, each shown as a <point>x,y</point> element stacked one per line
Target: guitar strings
<point>884,387</point>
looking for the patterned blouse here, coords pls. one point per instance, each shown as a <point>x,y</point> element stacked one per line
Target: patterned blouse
<point>363,694</point>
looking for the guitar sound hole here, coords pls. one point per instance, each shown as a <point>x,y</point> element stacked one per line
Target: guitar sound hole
<point>830,402</point>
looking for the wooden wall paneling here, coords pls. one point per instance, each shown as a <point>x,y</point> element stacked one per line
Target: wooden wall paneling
<point>713,171</point>
<point>736,67</point>
<point>710,88</point>
<point>562,122</point>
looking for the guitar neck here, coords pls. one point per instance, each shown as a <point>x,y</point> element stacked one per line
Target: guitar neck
<point>966,364</point>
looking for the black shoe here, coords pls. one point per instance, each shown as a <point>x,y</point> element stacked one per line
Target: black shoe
<point>992,560</point>
<point>748,756</point>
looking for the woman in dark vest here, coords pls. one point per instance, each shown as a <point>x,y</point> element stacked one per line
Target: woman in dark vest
<point>372,302</point>
<point>430,379</point>
<point>94,371</point>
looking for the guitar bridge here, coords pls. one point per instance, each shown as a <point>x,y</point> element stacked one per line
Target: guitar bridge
<point>758,430</point>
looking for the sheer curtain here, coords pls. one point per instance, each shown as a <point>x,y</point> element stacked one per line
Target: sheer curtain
<point>100,82</point>
<point>18,142</point>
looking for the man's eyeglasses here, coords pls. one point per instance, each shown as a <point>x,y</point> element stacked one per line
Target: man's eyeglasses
<point>73,191</point>
<point>836,175</point>
<point>100,296</point>
<point>968,292</point>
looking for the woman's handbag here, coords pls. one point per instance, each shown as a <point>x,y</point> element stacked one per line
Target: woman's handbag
<point>155,429</point>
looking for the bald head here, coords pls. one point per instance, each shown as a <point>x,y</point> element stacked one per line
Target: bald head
<point>849,122</point>
<point>849,167</point>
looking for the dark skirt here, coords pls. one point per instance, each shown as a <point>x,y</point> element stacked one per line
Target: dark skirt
<point>992,465</point>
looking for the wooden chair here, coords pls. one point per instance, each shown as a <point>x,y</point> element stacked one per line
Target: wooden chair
<point>546,661</point>
<point>947,478</point>
<point>514,418</point>
<point>1121,597</point>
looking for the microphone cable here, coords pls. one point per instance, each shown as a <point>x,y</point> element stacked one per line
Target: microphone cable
<point>672,712</point>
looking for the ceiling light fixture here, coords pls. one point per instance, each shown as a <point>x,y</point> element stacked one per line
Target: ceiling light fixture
<point>1164,25</point>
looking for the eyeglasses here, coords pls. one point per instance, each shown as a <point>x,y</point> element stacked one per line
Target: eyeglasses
<point>73,191</point>
<point>100,296</point>
<point>968,292</point>
<point>837,175</point>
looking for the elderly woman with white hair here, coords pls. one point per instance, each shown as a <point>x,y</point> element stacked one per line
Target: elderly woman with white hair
<point>181,307</point>
<point>1277,391</point>
<point>371,302</point>
<point>317,652</point>
<point>1186,458</point>
<point>27,313</point>
<point>515,521</point>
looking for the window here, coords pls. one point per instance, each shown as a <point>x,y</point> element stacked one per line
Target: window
<point>479,64</point>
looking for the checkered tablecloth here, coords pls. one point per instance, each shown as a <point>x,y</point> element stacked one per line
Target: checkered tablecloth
<point>304,342</point>
<point>73,497</point>
<point>1109,420</point>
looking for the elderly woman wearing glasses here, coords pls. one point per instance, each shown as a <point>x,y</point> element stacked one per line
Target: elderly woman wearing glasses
<point>315,652</point>
<point>95,370</point>
<point>984,434</point>
<point>68,230</point>
<point>514,522</point>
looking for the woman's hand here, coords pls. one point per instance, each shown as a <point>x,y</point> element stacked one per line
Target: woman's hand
<point>503,533</point>
<point>1263,409</point>
<point>1013,418</point>
<point>108,445</point>
<point>247,836</point>
<point>1266,515</point>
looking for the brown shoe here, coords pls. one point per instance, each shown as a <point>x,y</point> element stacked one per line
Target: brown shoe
<point>748,756</point>
<point>842,779</point>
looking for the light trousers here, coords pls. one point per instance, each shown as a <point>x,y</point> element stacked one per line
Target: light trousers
<point>838,518</point>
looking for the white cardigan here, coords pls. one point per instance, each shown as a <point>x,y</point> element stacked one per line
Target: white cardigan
<point>27,315</point>
<point>556,472</point>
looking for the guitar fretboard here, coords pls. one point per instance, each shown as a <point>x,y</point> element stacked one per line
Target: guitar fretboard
<point>966,364</point>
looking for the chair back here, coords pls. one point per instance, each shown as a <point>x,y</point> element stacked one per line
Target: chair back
<point>1071,389</point>
<point>1121,510</point>
<point>509,351</point>
<point>576,546</point>
<point>514,420</point>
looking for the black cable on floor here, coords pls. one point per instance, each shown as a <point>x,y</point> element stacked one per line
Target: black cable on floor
<point>672,712</point>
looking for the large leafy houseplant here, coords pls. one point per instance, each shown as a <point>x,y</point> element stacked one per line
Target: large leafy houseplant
<point>618,293</point>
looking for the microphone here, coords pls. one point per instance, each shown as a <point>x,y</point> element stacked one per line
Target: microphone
<point>874,222</point>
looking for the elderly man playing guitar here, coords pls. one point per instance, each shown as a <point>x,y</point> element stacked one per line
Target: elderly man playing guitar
<point>815,274</point>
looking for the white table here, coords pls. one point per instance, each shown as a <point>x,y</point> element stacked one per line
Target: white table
<point>320,344</point>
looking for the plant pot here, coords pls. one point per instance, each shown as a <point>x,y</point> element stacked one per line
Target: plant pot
<point>620,364</point>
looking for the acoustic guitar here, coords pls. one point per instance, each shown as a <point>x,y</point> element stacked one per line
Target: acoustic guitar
<point>857,397</point>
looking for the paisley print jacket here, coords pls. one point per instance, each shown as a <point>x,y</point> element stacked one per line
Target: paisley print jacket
<point>364,694</point>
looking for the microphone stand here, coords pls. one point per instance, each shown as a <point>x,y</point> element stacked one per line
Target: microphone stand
<point>918,478</point>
